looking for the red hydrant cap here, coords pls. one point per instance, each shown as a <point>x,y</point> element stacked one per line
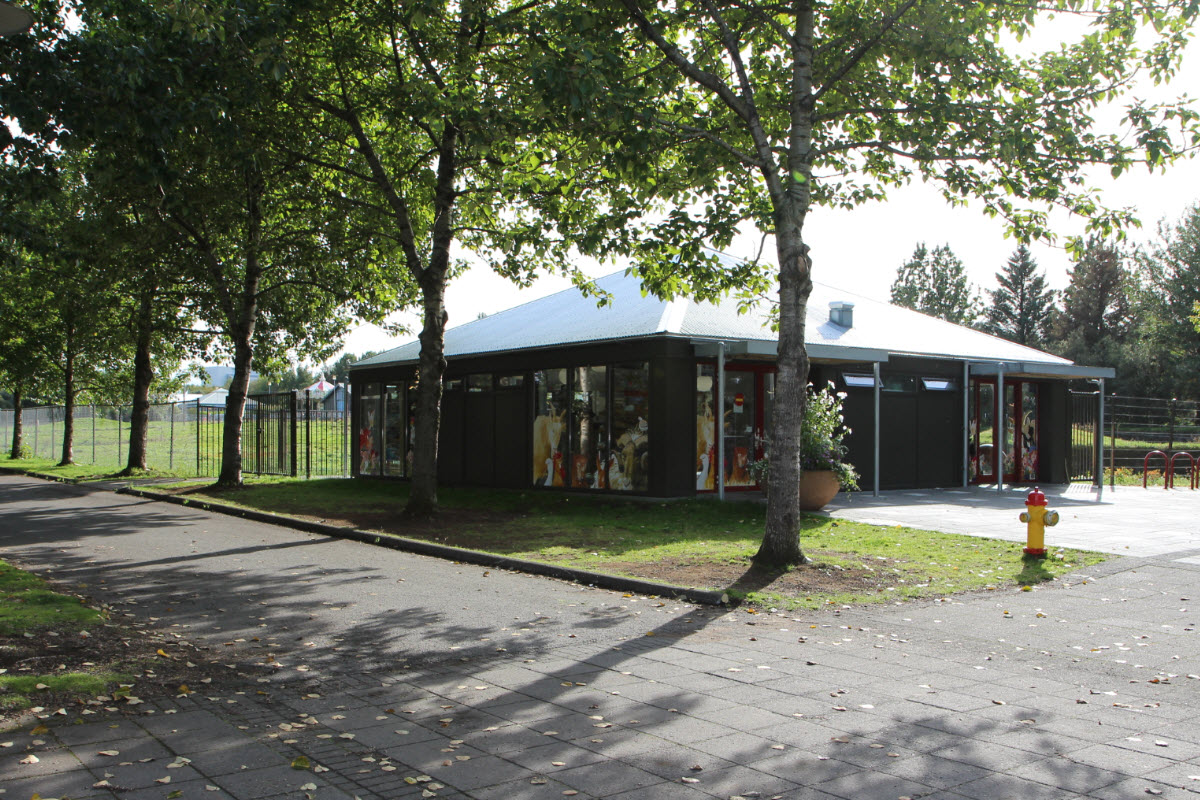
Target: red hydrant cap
<point>1035,498</point>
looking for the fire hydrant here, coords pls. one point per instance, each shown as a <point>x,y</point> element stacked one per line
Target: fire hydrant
<point>1037,517</point>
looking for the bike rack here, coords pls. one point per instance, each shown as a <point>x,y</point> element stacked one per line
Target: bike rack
<point>1146,464</point>
<point>1191,470</point>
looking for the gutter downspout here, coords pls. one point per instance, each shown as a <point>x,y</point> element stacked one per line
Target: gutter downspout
<point>1001,410</point>
<point>877,396</point>
<point>966,426</point>
<point>720,422</point>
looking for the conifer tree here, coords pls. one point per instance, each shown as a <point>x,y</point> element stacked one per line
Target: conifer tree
<point>1022,307</point>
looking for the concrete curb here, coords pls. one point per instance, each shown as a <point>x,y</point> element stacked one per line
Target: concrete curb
<point>597,579</point>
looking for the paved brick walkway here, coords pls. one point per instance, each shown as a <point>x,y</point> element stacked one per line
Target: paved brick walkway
<point>1085,689</point>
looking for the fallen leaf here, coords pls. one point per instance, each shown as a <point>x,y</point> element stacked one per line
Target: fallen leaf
<point>30,759</point>
<point>164,781</point>
<point>300,762</point>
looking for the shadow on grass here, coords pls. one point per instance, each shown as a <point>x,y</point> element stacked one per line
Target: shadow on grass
<point>754,579</point>
<point>1033,571</point>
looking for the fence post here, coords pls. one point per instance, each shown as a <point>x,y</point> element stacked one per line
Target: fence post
<point>307,434</point>
<point>93,433</point>
<point>198,470</point>
<point>37,429</point>
<point>1112,457</point>
<point>1171,406</point>
<point>171,451</point>
<point>293,401</point>
<point>120,435</point>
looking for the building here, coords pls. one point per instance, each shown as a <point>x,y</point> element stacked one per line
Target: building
<point>563,394</point>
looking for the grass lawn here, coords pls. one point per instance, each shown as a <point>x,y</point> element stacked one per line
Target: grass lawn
<point>34,619</point>
<point>696,542</point>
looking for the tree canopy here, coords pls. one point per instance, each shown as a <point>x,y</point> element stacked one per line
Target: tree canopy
<point>1022,306</point>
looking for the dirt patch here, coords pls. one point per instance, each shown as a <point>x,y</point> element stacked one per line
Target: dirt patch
<point>157,664</point>
<point>453,527</point>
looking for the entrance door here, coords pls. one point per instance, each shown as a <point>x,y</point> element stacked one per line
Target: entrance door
<point>1022,431</point>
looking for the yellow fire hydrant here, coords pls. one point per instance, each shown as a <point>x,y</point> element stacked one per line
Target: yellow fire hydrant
<point>1036,517</point>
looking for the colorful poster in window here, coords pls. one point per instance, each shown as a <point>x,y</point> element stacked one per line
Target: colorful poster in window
<point>548,427</point>
<point>1029,432</point>
<point>629,463</point>
<point>368,430</point>
<point>589,427</point>
<point>706,429</point>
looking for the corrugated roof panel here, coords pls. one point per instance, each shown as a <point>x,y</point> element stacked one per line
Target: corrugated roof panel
<point>568,317</point>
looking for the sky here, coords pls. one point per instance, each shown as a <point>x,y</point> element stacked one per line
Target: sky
<point>861,249</point>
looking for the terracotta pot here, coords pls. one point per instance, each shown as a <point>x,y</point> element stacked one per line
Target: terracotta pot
<point>817,487</point>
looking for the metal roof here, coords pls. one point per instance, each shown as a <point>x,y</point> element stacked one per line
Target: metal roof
<point>878,330</point>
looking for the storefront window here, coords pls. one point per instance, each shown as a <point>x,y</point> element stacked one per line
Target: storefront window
<point>479,383</point>
<point>629,468</point>
<point>551,405</point>
<point>1029,431</point>
<point>706,428</point>
<point>589,428</point>
<point>369,430</point>
<point>394,450</point>
<point>738,419</point>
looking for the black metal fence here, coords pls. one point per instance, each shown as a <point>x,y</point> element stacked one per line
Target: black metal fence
<point>1134,427</point>
<point>292,433</point>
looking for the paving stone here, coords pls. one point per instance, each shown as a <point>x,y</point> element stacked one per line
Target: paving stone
<point>607,779</point>
<point>252,784</point>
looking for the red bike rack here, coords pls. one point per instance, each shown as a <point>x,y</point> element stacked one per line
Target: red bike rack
<point>1170,477</point>
<point>1146,465</point>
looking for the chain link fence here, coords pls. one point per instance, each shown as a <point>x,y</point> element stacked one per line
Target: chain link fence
<point>292,433</point>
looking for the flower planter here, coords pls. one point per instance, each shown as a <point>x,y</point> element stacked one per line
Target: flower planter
<point>817,488</point>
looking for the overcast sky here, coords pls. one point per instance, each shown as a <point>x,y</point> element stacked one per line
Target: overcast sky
<point>860,250</point>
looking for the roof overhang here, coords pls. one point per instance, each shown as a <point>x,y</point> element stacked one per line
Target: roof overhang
<point>13,19</point>
<point>710,348</point>
<point>1034,369</point>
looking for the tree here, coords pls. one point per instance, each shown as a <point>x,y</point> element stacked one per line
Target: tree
<point>936,284</point>
<point>198,118</point>
<point>1095,324</point>
<point>438,133</point>
<point>802,104</point>
<point>1022,307</point>
<point>1169,270</point>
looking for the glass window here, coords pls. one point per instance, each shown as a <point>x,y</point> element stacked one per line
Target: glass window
<point>479,383</point>
<point>510,381</point>
<point>453,385</point>
<point>550,409</point>
<point>629,464</point>
<point>939,384</point>
<point>394,449</point>
<point>738,422</point>
<point>858,380</point>
<point>589,428</point>
<point>899,383</point>
<point>706,427</point>
<point>368,430</point>
<point>1029,431</point>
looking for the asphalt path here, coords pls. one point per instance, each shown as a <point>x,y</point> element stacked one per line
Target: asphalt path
<point>261,594</point>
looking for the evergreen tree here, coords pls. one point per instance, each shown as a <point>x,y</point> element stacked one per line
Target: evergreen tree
<point>1165,301</point>
<point>1095,324</point>
<point>1021,308</point>
<point>936,284</point>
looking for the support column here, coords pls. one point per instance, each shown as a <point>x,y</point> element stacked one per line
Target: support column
<point>875,372</point>
<point>1099,471</point>
<point>1001,410</point>
<point>966,426</point>
<point>720,421</point>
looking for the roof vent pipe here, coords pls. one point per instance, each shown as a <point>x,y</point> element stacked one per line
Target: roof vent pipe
<point>841,313</point>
